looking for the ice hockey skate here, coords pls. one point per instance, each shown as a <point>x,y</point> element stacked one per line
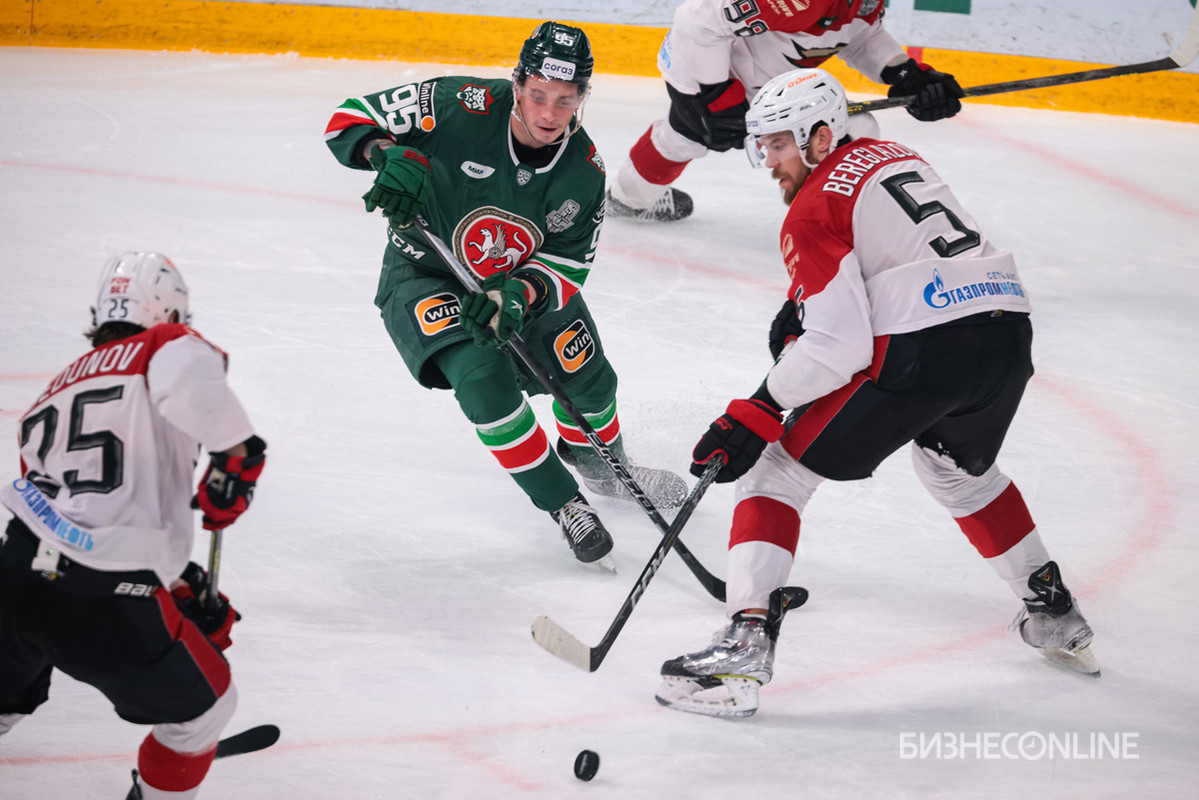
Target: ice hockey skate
<point>723,680</point>
<point>671,205</point>
<point>663,488</point>
<point>1053,624</point>
<point>588,539</point>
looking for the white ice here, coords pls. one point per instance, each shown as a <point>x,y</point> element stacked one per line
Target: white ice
<point>389,571</point>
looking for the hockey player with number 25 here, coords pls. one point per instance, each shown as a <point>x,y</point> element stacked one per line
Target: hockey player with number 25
<point>502,171</point>
<point>903,323</point>
<point>718,53</point>
<point>94,571</point>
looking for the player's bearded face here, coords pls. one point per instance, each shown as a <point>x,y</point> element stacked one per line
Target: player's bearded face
<point>786,167</point>
<point>546,108</point>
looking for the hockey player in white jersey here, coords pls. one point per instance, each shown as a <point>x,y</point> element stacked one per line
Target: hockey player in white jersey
<point>903,324</point>
<point>95,578</point>
<point>718,53</point>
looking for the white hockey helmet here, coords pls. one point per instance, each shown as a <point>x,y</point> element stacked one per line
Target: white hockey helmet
<point>141,288</point>
<point>795,101</point>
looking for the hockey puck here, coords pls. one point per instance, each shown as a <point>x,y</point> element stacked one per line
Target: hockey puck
<point>586,765</point>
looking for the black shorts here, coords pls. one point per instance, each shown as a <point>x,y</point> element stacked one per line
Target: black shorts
<point>953,389</point>
<point>150,661</point>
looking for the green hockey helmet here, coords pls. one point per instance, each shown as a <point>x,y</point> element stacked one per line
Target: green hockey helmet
<point>558,52</point>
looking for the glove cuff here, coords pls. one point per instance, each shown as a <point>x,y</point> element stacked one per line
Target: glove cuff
<point>764,421</point>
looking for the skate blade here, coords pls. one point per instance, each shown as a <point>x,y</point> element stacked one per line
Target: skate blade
<point>601,564</point>
<point>1081,660</point>
<point>736,696</point>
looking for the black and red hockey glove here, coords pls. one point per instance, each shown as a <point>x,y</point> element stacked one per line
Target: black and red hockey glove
<point>215,621</point>
<point>786,328</point>
<point>227,487</point>
<point>715,117</point>
<point>740,434</point>
<point>938,94</point>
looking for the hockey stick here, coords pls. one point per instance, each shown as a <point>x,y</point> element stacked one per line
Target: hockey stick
<point>560,642</point>
<point>212,597</point>
<point>1182,55</point>
<point>248,741</point>
<point>517,345</point>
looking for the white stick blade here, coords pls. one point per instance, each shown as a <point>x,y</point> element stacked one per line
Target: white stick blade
<point>1188,48</point>
<point>558,641</point>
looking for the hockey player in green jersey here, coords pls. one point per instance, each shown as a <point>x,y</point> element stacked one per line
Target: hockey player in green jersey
<point>503,172</point>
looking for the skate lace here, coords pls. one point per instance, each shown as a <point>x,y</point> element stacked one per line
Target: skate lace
<point>578,520</point>
<point>665,203</point>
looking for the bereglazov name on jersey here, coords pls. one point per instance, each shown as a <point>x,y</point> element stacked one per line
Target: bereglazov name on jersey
<point>848,173</point>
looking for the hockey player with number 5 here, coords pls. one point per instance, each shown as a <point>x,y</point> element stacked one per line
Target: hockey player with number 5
<point>94,572</point>
<point>718,53</point>
<point>502,171</point>
<point>903,323</point>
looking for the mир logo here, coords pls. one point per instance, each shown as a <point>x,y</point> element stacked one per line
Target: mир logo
<point>574,346</point>
<point>437,312</point>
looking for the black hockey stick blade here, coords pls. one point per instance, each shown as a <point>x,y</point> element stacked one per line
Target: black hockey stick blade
<point>713,585</point>
<point>248,741</point>
<point>560,642</point>
<point>1182,55</point>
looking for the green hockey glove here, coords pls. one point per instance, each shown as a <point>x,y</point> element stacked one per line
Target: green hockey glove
<point>498,311</point>
<point>402,183</point>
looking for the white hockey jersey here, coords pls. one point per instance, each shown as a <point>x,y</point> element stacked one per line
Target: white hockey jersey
<point>109,450</point>
<point>711,41</point>
<point>876,244</point>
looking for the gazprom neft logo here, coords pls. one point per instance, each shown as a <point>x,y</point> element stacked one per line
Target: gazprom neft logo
<point>997,284</point>
<point>45,514</point>
<point>1019,745</point>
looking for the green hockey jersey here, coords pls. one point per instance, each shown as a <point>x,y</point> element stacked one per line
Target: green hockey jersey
<point>497,213</point>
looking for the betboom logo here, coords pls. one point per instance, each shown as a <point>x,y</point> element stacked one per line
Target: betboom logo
<point>575,346</point>
<point>555,68</point>
<point>437,312</point>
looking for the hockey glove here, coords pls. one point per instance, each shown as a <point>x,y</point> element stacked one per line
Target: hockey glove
<point>402,183</point>
<point>191,598</point>
<point>715,117</point>
<point>492,315</point>
<point>786,329</point>
<point>741,434</point>
<point>228,484</point>
<point>937,93</point>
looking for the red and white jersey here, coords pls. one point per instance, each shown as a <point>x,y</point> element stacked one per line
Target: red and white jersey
<point>109,450</point>
<point>711,41</point>
<point>876,244</point>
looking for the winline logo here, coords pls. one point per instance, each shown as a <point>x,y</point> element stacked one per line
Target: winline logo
<point>1018,745</point>
<point>574,346</point>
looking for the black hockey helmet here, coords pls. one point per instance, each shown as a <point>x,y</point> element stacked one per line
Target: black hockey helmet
<point>556,51</point>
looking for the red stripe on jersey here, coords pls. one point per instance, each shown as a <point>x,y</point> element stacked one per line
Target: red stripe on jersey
<point>999,526</point>
<point>130,356</point>
<point>823,410</point>
<point>204,653</point>
<point>652,165</point>
<point>762,519</point>
<point>524,454</point>
<point>169,770</point>
<point>341,120</point>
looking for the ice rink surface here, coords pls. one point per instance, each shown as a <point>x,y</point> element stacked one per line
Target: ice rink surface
<point>389,571</point>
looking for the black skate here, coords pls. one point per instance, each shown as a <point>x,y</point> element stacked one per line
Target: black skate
<point>1053,624</point>
<point>672,205</point>
<point>588,539</point>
